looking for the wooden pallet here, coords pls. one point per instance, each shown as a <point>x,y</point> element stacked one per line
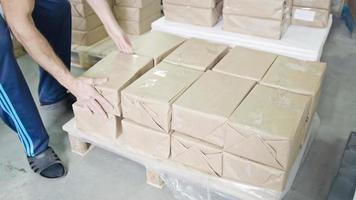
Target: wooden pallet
<point>87,56</point>
<point>82,143</point>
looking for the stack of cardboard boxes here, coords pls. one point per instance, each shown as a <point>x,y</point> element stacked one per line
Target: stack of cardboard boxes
<point>239,114</point>
<point>202,13</point>
<point>87,28</point>
<point>313,13</point>
<point>263,18</point>
<point>122,70</point>
<point>135,17</point>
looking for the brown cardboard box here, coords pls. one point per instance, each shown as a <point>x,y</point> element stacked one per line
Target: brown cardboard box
<point>197,54</point>
<point>87,38</point>
<point>321,4</point>
<point>137,14</point>
<point>193,15</point>
<point>204,108</point>
<point>310,17</point>
<point>193,3</point>
<point>133,3</point>
<point>196,154</point>
<point>85,23</point>
<point>145,140</point>
<point>269,9</point>
<point>246,171</point>
<point>268,28</point>
<point>92,123</point>
<point>137,28</point>
<point>121,70</point>
<point>148,100</point>
<point>267,127</point>
<point>302,77</point>
<point>246,63</point>
<point>80,8</point>
<point>156,45</point>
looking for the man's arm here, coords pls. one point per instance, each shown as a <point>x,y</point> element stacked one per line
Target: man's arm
<point>18,16</point>
<point>103,10</point>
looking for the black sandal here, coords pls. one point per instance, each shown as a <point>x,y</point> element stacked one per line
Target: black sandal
<point>47,164</point>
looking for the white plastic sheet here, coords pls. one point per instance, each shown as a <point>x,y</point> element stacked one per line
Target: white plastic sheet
<point>299,42</point>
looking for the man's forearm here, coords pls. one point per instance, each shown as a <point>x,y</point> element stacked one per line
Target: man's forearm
<point>40,50</point>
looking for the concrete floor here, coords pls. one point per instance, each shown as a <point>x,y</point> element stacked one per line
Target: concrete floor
<point>105,176</point>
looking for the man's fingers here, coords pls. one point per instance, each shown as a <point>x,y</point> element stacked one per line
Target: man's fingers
<point>99,81</point>
<point>94,105</point>
<point>105,104</point>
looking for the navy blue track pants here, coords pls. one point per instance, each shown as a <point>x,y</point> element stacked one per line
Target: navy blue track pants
<point>17,107</point>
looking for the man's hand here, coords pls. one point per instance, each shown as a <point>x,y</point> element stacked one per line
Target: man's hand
<point>123,43</point>
<point>88,97</point>
<point>103,10</point>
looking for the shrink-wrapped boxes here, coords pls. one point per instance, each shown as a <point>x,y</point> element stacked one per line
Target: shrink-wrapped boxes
<point>254,17</point>
<point>302,77</point>
<point>87,28</point>
<point>202,13</point>
<point>246,63</point>
<point>203,110</point>
<point>197,54</point>
<point>308,16</point>
<point>145,140</point>
<point>156,45</point>
<point>263,136</point>
<point>149,99</point>
<point>135,17</point>
<point>121,70</point>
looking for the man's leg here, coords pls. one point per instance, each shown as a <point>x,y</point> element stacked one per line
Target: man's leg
<point>53,19</point>
<point>18,110</point>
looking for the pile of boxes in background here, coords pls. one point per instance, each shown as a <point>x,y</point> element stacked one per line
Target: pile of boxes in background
<point>313,13</point>
<point>87,28</point>
<point>135,17</point>
<point>257,17</point>
<point>241,115</point>
<point>203,13</point>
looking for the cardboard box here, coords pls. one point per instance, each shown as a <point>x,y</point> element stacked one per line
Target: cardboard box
<point>85,23</point>
<point>133,3</point>
<point>193,15</point>
<point>267,127</point>
<point>197,54</point>
<point>321,4</point>
<point>204,108</point>
<point>92,123</point>
<point>194,3</point>
<point>121,70</point>
<point>80,8</point>
<point>148,100</point>
<point>137,14</point>
<point>246,63</point>
<point>196,154</point>
<point>310,17</point>
<point>145,140</point>
<point>246,171</point>
<point>267,28</point>
<point>156,45</point>
<point>302,77</point>
<point>269,9</point>
<point>137,28</point>
<point>87,38</point>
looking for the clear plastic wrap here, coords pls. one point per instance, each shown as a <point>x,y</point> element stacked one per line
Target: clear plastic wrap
<point>188,184</point>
